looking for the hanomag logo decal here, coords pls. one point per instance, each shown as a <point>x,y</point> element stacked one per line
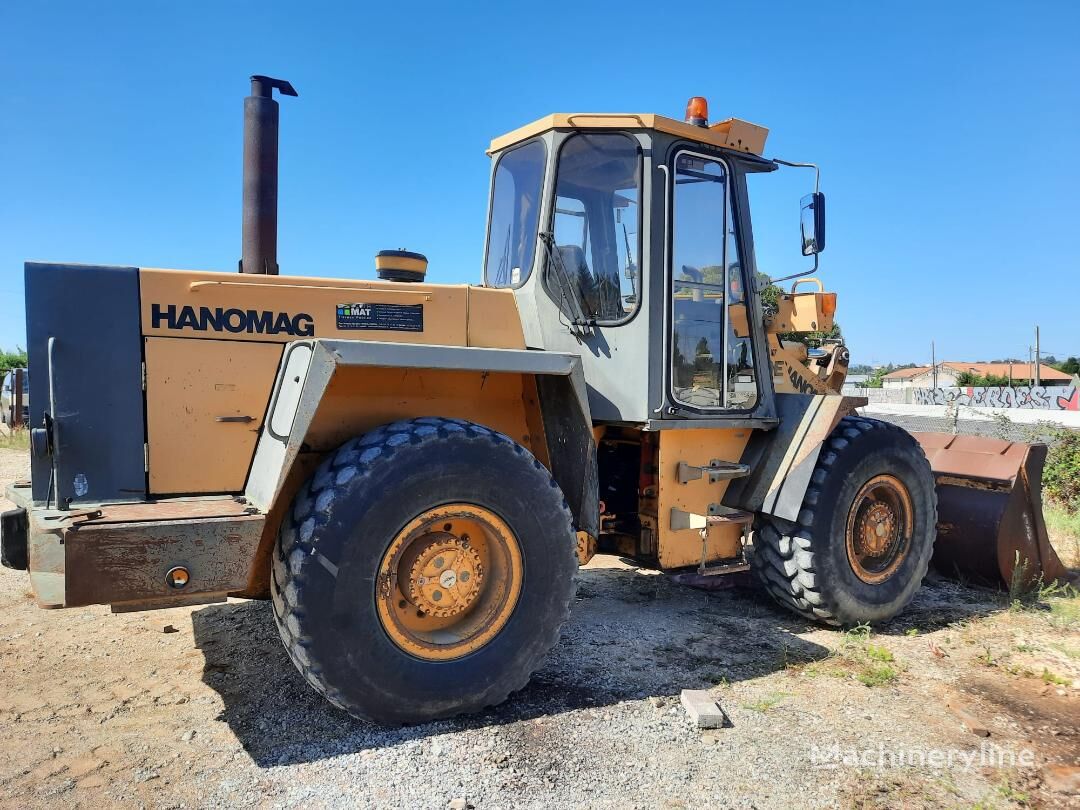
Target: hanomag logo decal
<point>219,319</point>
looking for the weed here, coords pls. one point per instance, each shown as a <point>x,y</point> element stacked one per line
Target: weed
<point>912,631</point>
<point>1061,477</point>
<point>877,653</point>
<point>877,675</point>
<point>870,664</point>
<point>767,702</point>
<point>1050,677</point>
<point>1009,793</point>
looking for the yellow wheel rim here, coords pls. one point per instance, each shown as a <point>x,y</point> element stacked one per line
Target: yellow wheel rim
<point>879,528</point>
<point>449,582</point>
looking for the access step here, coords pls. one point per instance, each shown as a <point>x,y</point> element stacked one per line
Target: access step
<point>717,514</point>
<point>716,470</point>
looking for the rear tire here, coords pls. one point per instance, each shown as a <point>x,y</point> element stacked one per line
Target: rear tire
<point>360,610</point>
<point>821,567</point>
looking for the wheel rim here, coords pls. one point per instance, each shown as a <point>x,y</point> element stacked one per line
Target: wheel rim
<point>879,528</point>
<point>449,582</point>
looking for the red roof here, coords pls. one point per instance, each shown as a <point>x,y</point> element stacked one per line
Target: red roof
<point>904,373</point>
<point>1019,371</point>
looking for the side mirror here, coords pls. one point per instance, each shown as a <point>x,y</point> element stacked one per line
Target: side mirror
<point>812,222</point>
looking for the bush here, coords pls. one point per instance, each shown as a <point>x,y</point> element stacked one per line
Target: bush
<point>1061,478</point>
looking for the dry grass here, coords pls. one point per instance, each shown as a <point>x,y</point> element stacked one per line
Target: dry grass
<point>14,439</point>
<point>1063,525</point>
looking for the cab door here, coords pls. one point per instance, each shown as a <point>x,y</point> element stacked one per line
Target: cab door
<point>711,367</point>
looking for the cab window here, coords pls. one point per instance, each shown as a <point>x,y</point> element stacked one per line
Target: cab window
<point>515,215</point>
<point>596,223</point>
<point>712,364</point>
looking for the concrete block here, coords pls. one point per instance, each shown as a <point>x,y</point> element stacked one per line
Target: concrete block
<point>702,708</point>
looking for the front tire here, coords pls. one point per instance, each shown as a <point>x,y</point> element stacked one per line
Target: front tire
<point>424,571</point>
<point>865,533</point>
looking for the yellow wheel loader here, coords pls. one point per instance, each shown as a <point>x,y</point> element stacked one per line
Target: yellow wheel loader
<point>412,472</point>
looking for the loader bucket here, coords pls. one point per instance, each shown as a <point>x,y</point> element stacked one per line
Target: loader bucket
<point>990,519</point>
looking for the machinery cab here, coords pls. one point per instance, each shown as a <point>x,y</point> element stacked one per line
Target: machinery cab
<point>626,239</point>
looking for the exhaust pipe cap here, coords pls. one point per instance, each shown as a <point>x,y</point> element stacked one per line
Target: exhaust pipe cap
<point>400,265</point>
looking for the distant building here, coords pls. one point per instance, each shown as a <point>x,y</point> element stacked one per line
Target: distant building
<point>853,381</point>
<point>949,372</point>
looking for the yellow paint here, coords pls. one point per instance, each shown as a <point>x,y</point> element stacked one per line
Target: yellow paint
<point>494,321</point>
<point>444,306</point>
<point>406,608</point>
<point>791,374</point>
<point>730,134</point>
<point>189,387</point>
<point>803,312</point>
<point>360,398</point>
<point>696,447</point>
<point>401,263</point>
<point>454,314</point>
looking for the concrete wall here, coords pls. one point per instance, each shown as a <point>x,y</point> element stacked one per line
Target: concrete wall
<point>1033,397</point>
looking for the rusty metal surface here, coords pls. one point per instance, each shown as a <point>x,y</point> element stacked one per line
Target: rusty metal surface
<point>179,509</point>
<point>990,510</point>
<point>116,563</point>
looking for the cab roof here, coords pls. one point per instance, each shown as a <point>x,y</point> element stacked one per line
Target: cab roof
<point>741,136</point>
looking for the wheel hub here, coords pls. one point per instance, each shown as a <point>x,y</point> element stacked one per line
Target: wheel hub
<point>876,528</point>
<point>449,581</point>
<point>446,575</point>
<point>879,528</point>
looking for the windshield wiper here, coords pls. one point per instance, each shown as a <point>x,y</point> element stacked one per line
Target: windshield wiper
<point>566,288</point>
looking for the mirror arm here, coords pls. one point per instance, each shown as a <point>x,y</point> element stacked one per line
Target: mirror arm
<point>814,166</point>
<point>797,275</point>
<point>817,190</point>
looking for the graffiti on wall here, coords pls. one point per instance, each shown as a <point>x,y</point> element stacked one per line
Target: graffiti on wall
<point>1035,397</point>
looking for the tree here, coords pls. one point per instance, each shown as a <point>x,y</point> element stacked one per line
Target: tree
<point>970,378</point>
<point>878,378</point>
<point>1070,366</point>
<point>10,360</point>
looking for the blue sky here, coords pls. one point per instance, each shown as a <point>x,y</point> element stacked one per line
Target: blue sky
<point>946,133</point>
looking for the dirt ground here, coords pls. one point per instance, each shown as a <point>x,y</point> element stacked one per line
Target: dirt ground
<point>200,707</point>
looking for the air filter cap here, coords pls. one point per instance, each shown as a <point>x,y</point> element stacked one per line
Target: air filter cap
<point>400,265</point>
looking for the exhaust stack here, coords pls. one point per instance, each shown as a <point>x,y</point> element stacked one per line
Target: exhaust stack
<point>259,249</point>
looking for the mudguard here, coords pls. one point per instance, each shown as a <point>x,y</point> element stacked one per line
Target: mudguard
<point>782,460</point>
<point>308,367</point>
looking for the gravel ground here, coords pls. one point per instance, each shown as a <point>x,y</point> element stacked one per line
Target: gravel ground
<point>201,707</point>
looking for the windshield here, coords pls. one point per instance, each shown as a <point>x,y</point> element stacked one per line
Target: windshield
<point>515,215</point>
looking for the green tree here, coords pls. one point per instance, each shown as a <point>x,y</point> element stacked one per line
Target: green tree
<point>1070,366</point>
<point>10,360</point>
<point>966,378</point>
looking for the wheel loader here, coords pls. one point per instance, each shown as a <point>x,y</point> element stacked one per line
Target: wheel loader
<point>413,472</point>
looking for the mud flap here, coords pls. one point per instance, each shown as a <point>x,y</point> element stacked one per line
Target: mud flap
<point>990,519</point>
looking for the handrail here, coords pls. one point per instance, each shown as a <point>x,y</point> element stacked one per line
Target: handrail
<point>195,286</point>
<point>820,286</point>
